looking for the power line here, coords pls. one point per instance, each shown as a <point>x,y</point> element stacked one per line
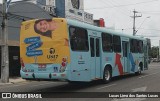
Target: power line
<point>150,29</point>
<point>139,28</point>
<point>150,11</point>
<point>122,5</point>
<point>148,35</point>
<point>115,5</point>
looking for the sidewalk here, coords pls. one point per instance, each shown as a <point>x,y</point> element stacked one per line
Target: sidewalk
<point>13,80</point>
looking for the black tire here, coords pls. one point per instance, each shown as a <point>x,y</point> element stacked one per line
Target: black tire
<point>107,75</point>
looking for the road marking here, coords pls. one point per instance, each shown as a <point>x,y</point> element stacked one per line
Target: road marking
<point>141,89</point>
<point>107,86</point>
<point>148,75</point>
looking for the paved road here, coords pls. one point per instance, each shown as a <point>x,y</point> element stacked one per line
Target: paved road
<point>149,81</point>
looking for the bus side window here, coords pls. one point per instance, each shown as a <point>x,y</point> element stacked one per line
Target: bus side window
<point>140,47</point>
<point>107,42</point>
<point>135,46</point>
<point>73,40</point>
<point>78,39</point>
<point>92,47</point>
<point>97,48</point>
<point>116,43</point>
<point>131,46</point>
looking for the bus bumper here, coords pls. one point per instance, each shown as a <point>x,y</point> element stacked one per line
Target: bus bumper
<point>47,76</point>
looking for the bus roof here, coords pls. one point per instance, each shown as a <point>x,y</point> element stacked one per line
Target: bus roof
<point>100,29</point>
<point>92,27</point>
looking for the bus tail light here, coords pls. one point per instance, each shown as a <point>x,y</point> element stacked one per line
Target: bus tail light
<point>63,75</point>
<point>63,64</point>
<point>54,74</point>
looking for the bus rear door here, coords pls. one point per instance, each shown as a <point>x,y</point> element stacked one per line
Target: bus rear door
<point>125,50</point>
<point>146,47</point>
<point>95,57</point>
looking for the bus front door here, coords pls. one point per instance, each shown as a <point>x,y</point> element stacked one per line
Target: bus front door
<point>125,56</point>
<point>95,57</point>
<point>146,57</point>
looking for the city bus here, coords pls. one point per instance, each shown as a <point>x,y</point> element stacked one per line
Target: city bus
<point>65,49</point>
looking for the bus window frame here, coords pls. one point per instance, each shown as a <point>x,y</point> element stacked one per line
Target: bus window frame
<point>134,46</point>
<point>117,44</point>
<point>86,38</point>
<point>111,44</point>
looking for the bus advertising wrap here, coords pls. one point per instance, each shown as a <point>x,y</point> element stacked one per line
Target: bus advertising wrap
<point>44,41</point>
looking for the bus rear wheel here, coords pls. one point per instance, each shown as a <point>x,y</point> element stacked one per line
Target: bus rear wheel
<point>107,75</point>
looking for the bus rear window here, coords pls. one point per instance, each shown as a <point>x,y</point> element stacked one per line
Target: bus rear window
<point>78,39</point>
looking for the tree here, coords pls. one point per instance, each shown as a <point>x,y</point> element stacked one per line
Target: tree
<point>153,53</point>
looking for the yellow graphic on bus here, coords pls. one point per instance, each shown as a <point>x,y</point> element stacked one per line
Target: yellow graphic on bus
<point>44,41</point>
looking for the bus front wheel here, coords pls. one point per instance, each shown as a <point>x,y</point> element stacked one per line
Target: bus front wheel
<point>107,75</point>
<point>139,71</point>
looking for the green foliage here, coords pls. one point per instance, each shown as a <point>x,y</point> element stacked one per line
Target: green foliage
<point>153,52</point>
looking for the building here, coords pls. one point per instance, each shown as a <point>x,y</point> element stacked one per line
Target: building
<point>18,12</point>
<point>100,22</point>
<point>72,9</point>
<point>48,5</point>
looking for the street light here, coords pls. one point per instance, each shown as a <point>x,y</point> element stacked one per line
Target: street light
<point>141,24</point>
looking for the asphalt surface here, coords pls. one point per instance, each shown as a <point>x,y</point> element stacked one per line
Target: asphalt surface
<point>148,81</point>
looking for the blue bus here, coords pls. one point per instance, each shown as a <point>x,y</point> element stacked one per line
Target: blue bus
<point>76,51</point>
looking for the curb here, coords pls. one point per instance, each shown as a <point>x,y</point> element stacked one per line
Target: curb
<point>1,84</point>
<point>14,81</point>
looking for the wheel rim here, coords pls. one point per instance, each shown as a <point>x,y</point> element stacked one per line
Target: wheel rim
<point>139,70</point>
<point>107,75</point>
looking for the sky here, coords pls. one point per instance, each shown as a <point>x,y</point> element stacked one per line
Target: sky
<point>117,14</point>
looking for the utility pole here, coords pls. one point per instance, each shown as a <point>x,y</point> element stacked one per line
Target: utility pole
<point>159,50</point>
<point>4,48</point>
<point>134,21</point>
